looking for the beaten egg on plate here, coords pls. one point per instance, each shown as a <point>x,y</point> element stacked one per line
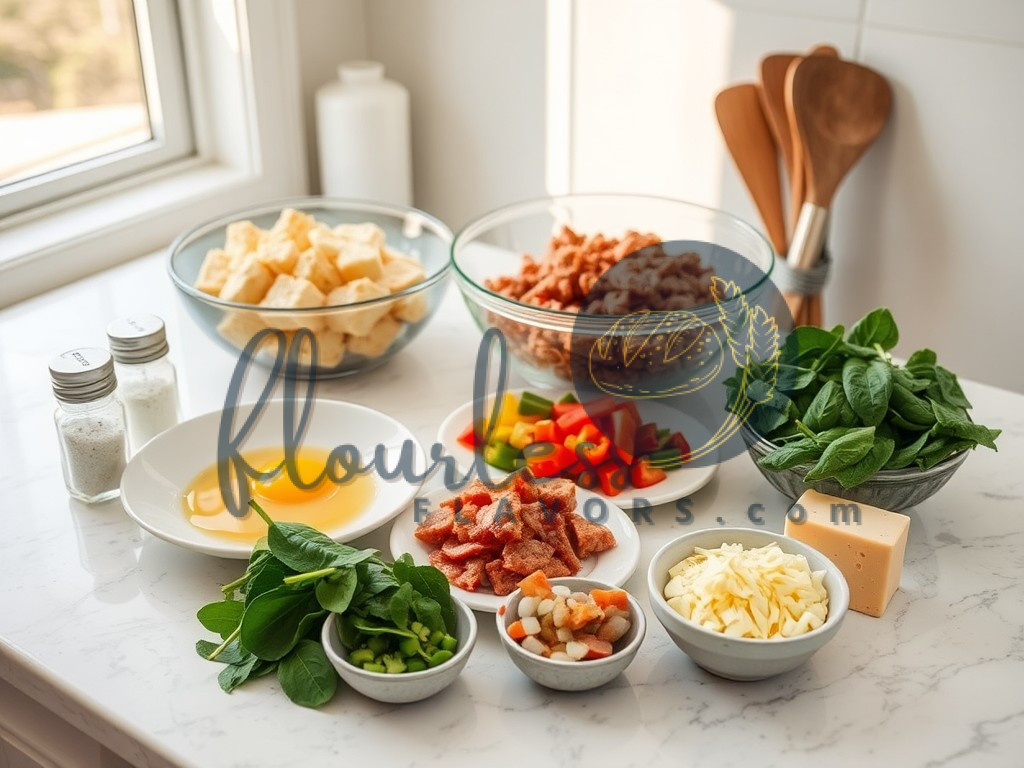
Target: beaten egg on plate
<point>326,506</point>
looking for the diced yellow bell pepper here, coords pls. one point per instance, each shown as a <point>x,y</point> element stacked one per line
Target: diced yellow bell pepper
<point>501,435</point>
<point>509,411</point>
<point>522,435</point>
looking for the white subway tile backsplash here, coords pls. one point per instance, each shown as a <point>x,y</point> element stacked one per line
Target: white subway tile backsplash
<point>841,10</point>
<point>1001,20</point>
<point>930,222</point>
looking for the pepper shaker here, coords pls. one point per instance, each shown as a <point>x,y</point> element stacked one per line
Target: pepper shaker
<point>147,382</point>
<point>90,422</point>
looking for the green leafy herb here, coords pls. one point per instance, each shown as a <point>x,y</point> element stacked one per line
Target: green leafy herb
<point>306,676</point>
<point>832,387</point>
<point>221,617</point>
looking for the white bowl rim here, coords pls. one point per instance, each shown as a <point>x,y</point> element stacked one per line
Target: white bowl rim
<point>465,614</point>
<point>631,647</point>
<point>354,204</point>
<point>836,608</point>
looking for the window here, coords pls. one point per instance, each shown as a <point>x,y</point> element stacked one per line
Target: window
<point>91,91</point>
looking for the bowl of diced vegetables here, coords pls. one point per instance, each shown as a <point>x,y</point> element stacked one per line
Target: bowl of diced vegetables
<point>571,634</point>
<point>399,666</point>
<point>607,445</point>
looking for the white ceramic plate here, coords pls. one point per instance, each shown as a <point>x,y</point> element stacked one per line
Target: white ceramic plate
<point>679,483</point>
<point>153,482</point>
<point>612,567</point>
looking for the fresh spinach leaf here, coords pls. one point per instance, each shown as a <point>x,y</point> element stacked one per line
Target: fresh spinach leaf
<point>876,327</point>
<point>868,386</point>
<point>941,449</point>
<point>234,675</point>
<point>906,379</point>
<point>221,617</point>
<point>270,575</point>
<point>873,460</point>
<point>368,627</point>
<point>306,676</point>
<point>306,549</point>
<point>947,389</point>
<point>276,620</point>
<point>400,604</point>
<point>335,592</point>
<point>826,407</point>
<point>375,577</point>
<point>954,422</point>
<point>232,654</point>
<point>791,455</point>
<point>910,406</point>
<point>921,364</point>
<point>429,582</point>
<point>428,612</point>
<point>842,453</point>
<point>904,457</point>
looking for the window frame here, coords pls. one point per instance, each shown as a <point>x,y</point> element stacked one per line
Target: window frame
<point>244,96</point>
<point>170,122</point>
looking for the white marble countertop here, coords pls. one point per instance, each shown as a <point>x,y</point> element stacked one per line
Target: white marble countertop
<point>97,617</point>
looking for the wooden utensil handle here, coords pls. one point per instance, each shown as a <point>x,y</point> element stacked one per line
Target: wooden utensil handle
<point>808,237</point>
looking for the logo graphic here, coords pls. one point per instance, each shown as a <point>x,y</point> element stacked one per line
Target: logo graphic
<point>689,326</point>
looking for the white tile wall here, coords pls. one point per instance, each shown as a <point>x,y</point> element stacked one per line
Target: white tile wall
<point>930,223</point>
<point>1001,20</point>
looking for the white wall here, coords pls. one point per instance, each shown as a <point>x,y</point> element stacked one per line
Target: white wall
<point>928,224</point>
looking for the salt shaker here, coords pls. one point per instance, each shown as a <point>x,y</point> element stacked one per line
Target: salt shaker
<point>147,382</point>
<point>90,423</point>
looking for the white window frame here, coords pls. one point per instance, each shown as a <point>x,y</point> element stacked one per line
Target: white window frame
<point>170,123</point>
<point>241,62</point>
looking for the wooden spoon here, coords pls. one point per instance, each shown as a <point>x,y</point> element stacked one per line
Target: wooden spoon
<point>749,140</point>
<point>774,69</point>
<point>809,309</point>
<point>838,109</point>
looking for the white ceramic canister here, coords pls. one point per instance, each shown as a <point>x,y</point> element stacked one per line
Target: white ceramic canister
<point>363,135</point>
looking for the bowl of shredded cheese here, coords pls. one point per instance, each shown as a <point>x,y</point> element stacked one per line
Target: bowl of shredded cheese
<point>746,604</point>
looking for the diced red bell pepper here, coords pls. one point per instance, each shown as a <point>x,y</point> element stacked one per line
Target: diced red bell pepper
<point>546,431</point>
<point>613,478</point>
<point>644,475</point>
<point>560,409</point>
<point>624,427</point>
<point>630,406</point>
<point>594,454</point>
<point>466,438</point>
<point>548,463</point>
<point>600,407</point>
<point>589,434</point>
<point>646,439</point>
<point>572,421</point>
<point>676,440</point>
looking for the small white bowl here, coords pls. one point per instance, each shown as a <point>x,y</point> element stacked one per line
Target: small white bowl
<point>573,675</point>
<point>743,658</point>
<point>408,686</point>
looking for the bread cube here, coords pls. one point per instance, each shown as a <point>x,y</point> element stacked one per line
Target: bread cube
<point>289,292</point>
<point>295,225</point>
<point>367,233</point>
<point>248,282</point>
<point>318,270</point>
<point>401,273</point>
<point>378,340</point>
<point>239,327</point>
<point>278,252</point>
<point>325,241</point>
<point>330,348</point>
<point>357,260</point>
<point>215,271</point>
<point>357,322</point>
<point>240,239</point>
<point>411,309</point>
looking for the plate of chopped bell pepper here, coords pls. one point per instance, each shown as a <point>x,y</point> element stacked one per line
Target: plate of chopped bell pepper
<point>625,451</point>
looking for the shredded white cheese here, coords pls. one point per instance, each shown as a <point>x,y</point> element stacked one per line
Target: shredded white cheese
<point>761,593</point>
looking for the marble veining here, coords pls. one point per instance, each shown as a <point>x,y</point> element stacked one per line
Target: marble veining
<point>97,617</point>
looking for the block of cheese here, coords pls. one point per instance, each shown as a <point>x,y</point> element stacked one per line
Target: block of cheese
<point>866,543</point>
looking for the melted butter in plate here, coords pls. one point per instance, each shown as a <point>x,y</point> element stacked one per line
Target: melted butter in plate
<point>326,507</point>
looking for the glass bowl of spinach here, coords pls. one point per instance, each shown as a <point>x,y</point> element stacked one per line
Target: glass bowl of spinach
<point>845,419</point>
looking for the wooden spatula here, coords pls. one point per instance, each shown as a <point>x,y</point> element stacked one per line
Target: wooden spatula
<point>750,143</point>
<point>838,109</point>
<point>773,97</point>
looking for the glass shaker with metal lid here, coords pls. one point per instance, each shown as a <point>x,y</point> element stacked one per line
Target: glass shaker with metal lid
<point>91,423</point>
<point>148,384</point>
